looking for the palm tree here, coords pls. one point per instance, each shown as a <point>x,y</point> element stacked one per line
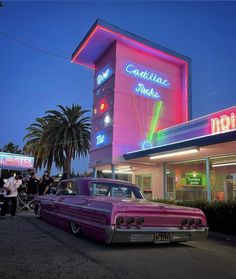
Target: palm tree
<point>11,148</point>
<point>68,132</point>
<point>60,136</point>
<point>35,147</point>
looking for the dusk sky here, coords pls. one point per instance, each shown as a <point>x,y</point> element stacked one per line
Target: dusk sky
<point>32,82</point>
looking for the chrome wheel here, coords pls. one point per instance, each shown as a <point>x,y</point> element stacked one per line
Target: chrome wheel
<point>75,228</point>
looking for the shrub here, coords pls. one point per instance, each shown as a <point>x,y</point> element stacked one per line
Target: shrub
<point>221,215</point>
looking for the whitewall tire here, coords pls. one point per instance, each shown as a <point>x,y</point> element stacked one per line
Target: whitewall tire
<point>75,228</point>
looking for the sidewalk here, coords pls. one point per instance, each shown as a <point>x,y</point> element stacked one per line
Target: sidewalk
<point>226,238</point>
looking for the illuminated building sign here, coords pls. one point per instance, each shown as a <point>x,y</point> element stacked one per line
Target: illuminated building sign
<point>194,180</point>
<point>215,123</point>
<point>107,119</point>
<point>141,73</point>
<point>102,106</point>
<point>224,123</point>
<point>147,92</point>
<point>104,74</point>
<point>100,139</point>
<point>15,161</point>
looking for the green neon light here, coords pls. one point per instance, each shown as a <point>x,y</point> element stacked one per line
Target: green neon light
<point>155,119</point>
<point>161,135</point>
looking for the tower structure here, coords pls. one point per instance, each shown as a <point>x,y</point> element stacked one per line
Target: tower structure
<point>139,89</point>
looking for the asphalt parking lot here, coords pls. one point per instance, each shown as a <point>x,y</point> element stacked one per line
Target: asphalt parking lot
<point>31,248</point>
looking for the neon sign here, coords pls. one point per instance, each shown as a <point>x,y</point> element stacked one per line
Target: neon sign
<point>223,124</point>
<point>103,106</point>
<point>15,161</point>
<point>155,119</point>
<point>153,77</point>
<point>146,144</point>
<point>104,74</point>
<point>100,139</point>
<point>149,92</point>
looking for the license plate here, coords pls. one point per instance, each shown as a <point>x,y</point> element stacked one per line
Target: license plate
<point>162,238</point>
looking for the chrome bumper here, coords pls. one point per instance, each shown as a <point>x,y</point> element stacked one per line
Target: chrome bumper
<point>118,235</point>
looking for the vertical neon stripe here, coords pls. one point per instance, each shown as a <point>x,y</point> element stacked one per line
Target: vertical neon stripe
<point>156,116</point>
<point>140,127</point>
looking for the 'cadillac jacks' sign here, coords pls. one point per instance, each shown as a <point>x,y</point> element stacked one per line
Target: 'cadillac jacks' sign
<point>15,161</point>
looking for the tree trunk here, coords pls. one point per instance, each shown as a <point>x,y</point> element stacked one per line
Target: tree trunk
<point>67,167</point>
<point>49,162</point>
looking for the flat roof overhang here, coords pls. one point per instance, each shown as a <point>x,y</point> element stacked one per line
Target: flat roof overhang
<point>102,35</point>
<point>212,140</point>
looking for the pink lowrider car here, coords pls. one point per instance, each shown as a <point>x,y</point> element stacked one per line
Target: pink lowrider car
<point>116,211</point>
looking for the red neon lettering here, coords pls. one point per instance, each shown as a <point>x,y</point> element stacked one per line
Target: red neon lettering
<point>223,124</point>
<point>16,162</point>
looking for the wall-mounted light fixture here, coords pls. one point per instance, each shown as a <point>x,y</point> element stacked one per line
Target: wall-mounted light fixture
<point>175,153</point>
<point>223,164</point>
<point>118,171</point>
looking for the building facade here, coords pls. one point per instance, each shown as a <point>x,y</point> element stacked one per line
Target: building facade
<point>142,126</point>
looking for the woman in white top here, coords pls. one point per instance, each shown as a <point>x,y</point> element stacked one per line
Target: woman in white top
<point>10,194</point>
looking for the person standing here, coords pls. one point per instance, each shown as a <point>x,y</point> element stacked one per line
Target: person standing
<point>10,194</point>
<point>33,184</point>
<point>46,183</point>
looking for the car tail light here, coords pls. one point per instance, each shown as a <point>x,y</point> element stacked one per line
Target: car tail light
<point>120,221</point>
<point>131,220</point>
<point>140,220</point>
<point>191,222</point>
<point>199,222</point>
<point>184,222</point>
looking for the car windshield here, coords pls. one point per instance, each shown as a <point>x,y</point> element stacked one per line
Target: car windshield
<point>114,190</point>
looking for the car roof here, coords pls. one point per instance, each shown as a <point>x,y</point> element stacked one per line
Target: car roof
<point>98,179</point>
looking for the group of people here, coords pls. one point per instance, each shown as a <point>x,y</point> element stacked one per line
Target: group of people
<point>34,186</point>
<point>37,186</point>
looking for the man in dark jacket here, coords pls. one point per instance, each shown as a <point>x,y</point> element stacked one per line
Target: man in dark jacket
<point>33,184</point>
<point>46,183</point>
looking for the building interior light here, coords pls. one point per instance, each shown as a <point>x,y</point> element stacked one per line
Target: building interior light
<point>223,164</point>
<point>118,171</point>
<point>124,168</point>
<point>177,153</point>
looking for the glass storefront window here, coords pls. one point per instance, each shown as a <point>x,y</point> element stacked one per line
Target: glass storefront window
<point>186,181</point>
<point>144,181</point>
<point>223,178</point>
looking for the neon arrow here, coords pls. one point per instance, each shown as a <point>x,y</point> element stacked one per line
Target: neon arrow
<point>155,119</point>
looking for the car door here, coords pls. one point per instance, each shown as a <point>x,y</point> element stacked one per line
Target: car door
<point>65,194</point>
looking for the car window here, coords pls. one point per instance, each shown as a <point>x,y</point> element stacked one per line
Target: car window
<point>66,188</point>
<point>114,190</point>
